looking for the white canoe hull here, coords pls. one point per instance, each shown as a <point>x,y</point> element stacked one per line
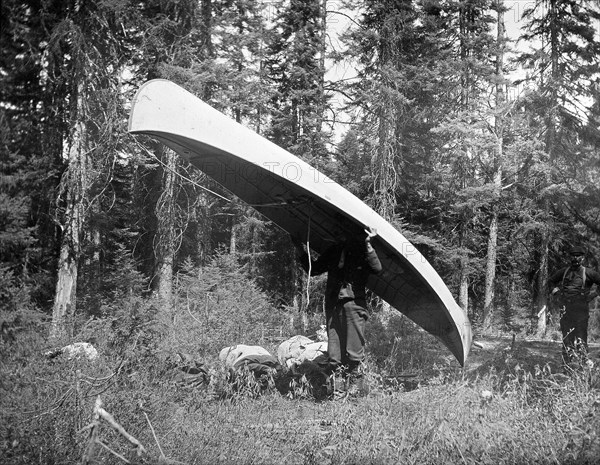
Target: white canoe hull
<point>295,195</point>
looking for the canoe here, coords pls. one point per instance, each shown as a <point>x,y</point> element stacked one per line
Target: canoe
<point>299,199</point>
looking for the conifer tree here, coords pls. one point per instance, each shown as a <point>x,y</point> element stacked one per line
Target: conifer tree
<point>87,53</point>
<point>562,65</point>
<point>215,51</point>
<point>497,167</point>
<point>29,166</point>
<point>73,53</point>
<point>296,68</point>
<point>426,71</point>
<point>473,26</point>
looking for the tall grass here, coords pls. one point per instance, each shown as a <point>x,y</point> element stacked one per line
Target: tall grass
<point>508,411</point>
<point>529,418</point>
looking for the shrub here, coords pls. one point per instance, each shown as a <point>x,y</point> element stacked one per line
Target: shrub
<point>100,289</point>
<point>218,305</point>
<point>17,308</point>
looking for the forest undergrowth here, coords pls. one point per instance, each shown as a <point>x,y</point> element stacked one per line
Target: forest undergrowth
<point>133,405</point>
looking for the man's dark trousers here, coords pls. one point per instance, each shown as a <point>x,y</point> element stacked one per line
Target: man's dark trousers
<point>574,327</point>
<point>346,334</point>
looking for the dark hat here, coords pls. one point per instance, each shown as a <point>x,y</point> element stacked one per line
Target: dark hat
<point>576,250</point>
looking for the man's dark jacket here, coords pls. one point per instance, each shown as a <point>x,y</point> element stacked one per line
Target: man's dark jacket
<point>570,281</point>
<point>348,268</point>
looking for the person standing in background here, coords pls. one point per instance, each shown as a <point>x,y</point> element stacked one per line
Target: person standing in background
<point>573,284</point>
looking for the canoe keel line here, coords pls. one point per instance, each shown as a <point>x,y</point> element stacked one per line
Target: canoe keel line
<point>299,199</point>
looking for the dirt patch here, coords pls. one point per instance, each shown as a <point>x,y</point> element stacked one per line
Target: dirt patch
<point>498,351</point>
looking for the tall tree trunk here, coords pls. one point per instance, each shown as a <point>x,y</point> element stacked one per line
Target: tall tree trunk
<point>165,234</point>
<point>490,272</point>
<point>542,276</point>
<point>206,12</point>
<point>321,78</point>
<point>465,27</point>
<point>233,238</point>
<point>386,176</point>
<point>542,282</point>
<point>74,187</point>
<point>463,290</point>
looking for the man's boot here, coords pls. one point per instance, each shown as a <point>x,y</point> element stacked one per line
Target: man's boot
<point>357,385</point>
<point>339,389</point>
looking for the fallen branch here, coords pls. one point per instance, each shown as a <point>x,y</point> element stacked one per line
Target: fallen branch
<point>93,427</point>
<point>163,458</point>
<point>116,454</point>
<point>162,454</point>
<point>98,415</point>
<point>107,417</point>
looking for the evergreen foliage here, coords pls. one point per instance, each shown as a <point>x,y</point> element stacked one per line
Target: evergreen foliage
<point>295,65</point>
<point>420,148</point>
